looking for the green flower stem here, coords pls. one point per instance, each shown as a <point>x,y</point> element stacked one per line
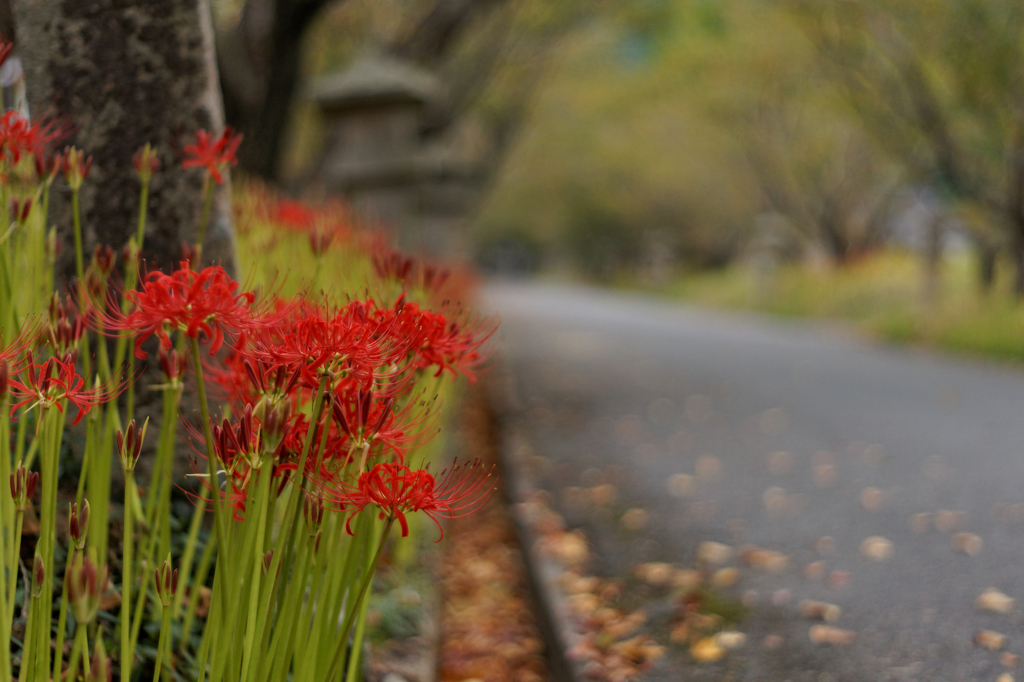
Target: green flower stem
<point>126,579</point>
<point>140,232</point>
<point>213,626</point>
<point>145,557</point>
<point>62,620</point>
<point>331,592</point>
<point>79,652</point>
<point>208,191</point>
<point>346,629</point>
<point>163,647</point>
<point>19,521</point>
<point>52,427</point>
<point>244,574</point>
<point>5,633</point>
<point>19,443</point>
<point>263,498</point>
<point>76,218</point>
<point>98,483</point>
<point>278,654</point>
<point>211,458</point>
<point>6,517</point>
<point>87,455</point>
<point>205,562</point>
<point>28,652</point>
<point>185,567</point>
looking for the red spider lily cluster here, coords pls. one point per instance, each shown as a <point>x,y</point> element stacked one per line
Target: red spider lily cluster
<point>328,398</point>
<point>367,359</point>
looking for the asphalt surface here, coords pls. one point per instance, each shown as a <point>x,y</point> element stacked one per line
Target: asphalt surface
<point>790,433</point>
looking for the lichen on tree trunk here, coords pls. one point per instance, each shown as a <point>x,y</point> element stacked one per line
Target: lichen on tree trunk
<point>123,73</point>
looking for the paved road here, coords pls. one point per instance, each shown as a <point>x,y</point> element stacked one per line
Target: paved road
<point>791,433</point>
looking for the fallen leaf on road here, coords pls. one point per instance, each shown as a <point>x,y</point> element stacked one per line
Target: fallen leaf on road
<point>707,650</point>
<point>947,520</point>
<point>730,639</point>
<point>920,523</point>
<point>872,498</point>
<point>655,573</point>
<point>814,570</point>
<point>725,577</point>
<point>829,634</point>
<point>995,601</point>
<point>764,559</point>
<point>680,485</point>
<point>819,610</point>
<point>968,543</point>
<point>708,467</point>
<point>714,553</point>
<point>876,548</point>
<point>635,519</point>
<point>780,462</point>
<point>989,639</point>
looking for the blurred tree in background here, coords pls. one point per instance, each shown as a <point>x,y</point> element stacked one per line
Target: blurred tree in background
<point>940,85</point>
<point>655,134</point>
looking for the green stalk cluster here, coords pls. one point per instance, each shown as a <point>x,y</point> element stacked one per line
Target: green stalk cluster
<point>279,590</point>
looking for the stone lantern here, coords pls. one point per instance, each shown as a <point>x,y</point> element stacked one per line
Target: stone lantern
<point>375,154</point>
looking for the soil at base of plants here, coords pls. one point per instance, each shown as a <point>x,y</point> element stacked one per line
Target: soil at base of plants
<point>488,626</point>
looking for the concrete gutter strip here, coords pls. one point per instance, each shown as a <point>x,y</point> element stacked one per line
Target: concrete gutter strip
<point>553,614</point>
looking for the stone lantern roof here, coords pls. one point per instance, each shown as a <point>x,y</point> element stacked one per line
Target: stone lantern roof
<point>374,81</point>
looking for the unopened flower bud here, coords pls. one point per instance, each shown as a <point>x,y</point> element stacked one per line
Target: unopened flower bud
<point>146,163</point>
<point>100,669</point>
<point>129,444</point>
<point>166,582</point>
<point>316,541</point>
<point>38,576</point>
<point>268,558</point>
<point>86,585</point>
<point>104,259</point>
<point>78,523</point>
<point>171,363</point>
<point>189,253</point>
<point>5,378</point>
<point>313,509</point>
<point>76,167</point>
<point>23,487</point>
<point>20,208</point>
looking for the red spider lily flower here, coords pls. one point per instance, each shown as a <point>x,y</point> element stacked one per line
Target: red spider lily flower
<point>19,137</point>
<point>190,302</point>
<point>434,341</point>
<point>397,490</point>
<point>366,420</point>
<point>294,215</point>
<point>13,356</point>
<point>51,383</point>
<point>213,154</point>
<point>314,342</point>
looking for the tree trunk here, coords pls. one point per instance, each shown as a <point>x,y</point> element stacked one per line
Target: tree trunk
<point>933,260</point>
<point>987,257</point>
<point>124,74</point>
